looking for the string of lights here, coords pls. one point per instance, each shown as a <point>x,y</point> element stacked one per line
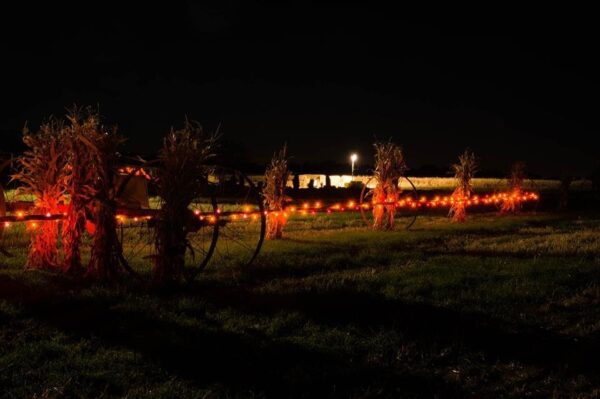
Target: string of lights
<point>306,208</point>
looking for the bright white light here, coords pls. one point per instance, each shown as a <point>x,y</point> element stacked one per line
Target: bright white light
<point>353,159</point>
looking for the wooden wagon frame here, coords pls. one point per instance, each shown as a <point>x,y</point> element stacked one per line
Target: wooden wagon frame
<point>230,199</point>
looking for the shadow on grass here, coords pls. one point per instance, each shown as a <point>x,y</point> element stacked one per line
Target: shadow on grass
<point>248,362</point>
<point>495,253</point>
<point>204,354</point>
<point>428,325</point>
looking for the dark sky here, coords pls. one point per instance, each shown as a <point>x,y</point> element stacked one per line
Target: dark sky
<point>327,78</point>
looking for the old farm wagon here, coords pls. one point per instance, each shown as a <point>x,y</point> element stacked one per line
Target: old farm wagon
<point>226,225</point>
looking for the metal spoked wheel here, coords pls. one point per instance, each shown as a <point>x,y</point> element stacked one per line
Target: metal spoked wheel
<point>241,218</point>
<point>405,217</point>
<point>202,234</point>
<point>226,224</point>
<point>136,212</point>
<point>139,213</point>
<point>136,238</point>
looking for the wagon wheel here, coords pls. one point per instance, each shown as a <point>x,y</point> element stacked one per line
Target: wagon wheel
<point>241,218</point>
<point>408,216</point>
<point>135,224</point>
<point>137,217</point>
<point>202,232</point>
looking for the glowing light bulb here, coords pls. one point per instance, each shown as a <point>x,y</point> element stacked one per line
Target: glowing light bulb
<point>353,159</point>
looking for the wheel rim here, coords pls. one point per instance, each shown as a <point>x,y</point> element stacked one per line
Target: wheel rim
<point>366,211</point>
<point>202,241</point>
<point>137,232</point>
<point>241,219</point>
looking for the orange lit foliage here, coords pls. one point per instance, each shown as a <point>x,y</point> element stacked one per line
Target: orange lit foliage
<point>276,177</point>
<point>42,175</point>
<point>512,202</point>
<point>389,168</point>
<point>464,171</point>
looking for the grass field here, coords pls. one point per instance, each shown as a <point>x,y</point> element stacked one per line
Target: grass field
<point>497,307</point>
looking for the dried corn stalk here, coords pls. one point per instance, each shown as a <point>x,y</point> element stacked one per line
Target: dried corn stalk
<point>182,169</point>
<point>276,177</point>
<point>512,203</point>
<point>41,174</point>
<point>464,171</point>
<point>80,132</point>
<point>389,168</point>
<point>106,257</point>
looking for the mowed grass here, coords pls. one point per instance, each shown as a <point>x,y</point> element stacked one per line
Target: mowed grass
<point>496,307</point>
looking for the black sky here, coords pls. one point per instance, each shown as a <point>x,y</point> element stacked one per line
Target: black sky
<point>327,78</point>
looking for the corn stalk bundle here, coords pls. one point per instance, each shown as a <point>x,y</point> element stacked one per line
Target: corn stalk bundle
<point>276,177</point>
<point>389,168</point>
<point>79,145</point>
<point>179,177</point>
<point>511,203</point>
<point>41,173</point>
<point>106,257</point>
<point>464,171</point>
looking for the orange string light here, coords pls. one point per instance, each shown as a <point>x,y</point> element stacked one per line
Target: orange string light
<point>351,205</point>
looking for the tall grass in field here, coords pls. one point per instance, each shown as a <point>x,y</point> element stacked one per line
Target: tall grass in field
<point>389,167</point>
<point>42,175</point>
<point>464,171</point>
<point>276,177</point>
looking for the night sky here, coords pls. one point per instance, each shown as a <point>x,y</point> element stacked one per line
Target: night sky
<point>326,78</point>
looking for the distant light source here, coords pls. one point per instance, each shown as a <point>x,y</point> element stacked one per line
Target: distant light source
<point>353,159</point>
